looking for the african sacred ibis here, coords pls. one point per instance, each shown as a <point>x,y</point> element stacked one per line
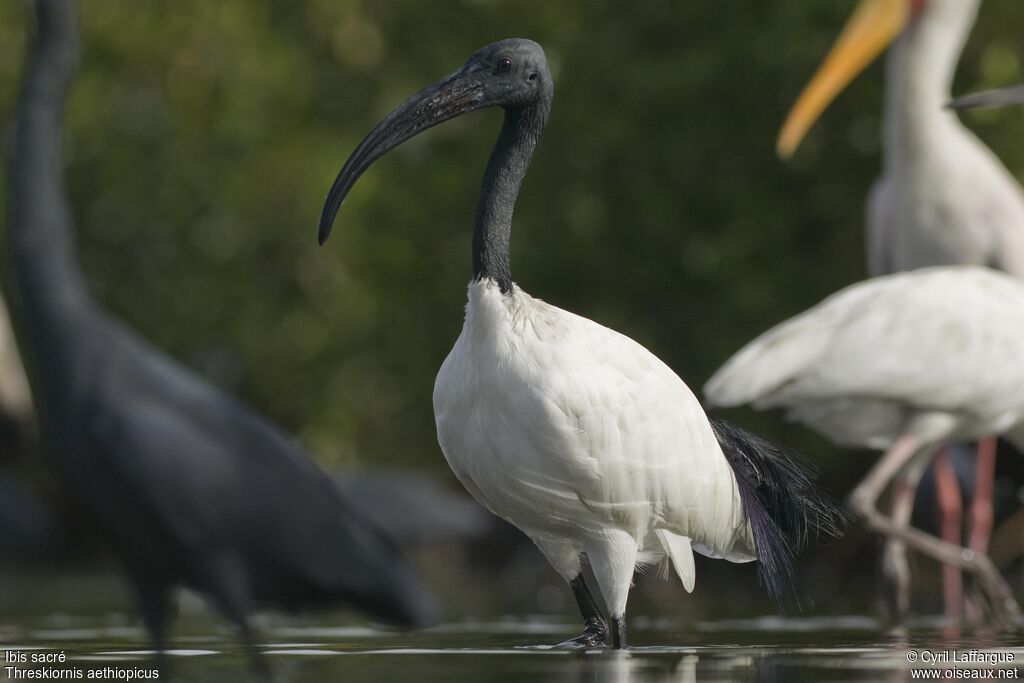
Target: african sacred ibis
<point>572,432</point>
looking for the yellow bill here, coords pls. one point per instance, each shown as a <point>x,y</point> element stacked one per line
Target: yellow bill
<point>874,24</point>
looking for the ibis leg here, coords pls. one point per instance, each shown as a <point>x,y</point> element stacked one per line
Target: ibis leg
<point>227,581</point>
<point>948,494</point>
<point>154,605</point>
<point>895,566</point>
<point>982,511</point>
<point>613,559</point>
<point>619,632</point>
<point>595,630</point>
<point>864,501</point>
<point>252,651</point>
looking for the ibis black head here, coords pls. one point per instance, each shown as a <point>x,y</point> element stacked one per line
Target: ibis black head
<point>512,74</point>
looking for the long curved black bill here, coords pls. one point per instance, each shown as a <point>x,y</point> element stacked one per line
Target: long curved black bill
<point>456,94</point>
<point>1001,97</point>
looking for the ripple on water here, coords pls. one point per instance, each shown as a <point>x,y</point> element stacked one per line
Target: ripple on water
<point>525,650</point>
<point>849,648</point>
<point>776,624</point>
<point>335,632</point>
<point>150,653</point>
<point>509,626</point>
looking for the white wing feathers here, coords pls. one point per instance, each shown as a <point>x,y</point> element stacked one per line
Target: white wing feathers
<point>946,339</point>
<point>681,553</point>
<point>762,368</point>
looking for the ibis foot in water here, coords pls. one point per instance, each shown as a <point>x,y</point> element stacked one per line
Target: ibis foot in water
<point>896,571</point>
<point>259,665</point>
<point>595,631</point>
<point>595,634</point>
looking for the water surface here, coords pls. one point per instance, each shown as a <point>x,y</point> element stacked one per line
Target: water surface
<point>515,649</point>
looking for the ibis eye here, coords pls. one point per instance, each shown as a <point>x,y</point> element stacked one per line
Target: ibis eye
<point>503,66</point>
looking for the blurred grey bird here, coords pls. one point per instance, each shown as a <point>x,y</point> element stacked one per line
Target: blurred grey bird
<point>190,487</point>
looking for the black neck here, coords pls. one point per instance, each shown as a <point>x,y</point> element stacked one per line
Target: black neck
<point>509,161</point>
<point>46,272</point>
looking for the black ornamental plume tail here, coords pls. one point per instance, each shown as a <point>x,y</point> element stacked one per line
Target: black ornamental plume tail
<point>783,505</point>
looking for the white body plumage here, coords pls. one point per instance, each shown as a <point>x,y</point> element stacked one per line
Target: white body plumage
<point>937,353</point>
<point>585,441</point>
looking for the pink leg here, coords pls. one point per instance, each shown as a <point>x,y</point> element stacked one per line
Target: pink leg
<point>947,490</point>
<point>981,512</point>
<point>864,498</point>
<point>980,517</point>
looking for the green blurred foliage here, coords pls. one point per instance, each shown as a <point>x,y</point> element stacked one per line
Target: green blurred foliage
<point>202,137</point>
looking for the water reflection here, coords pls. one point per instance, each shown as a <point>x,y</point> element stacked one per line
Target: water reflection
<point>841,649</point>
<point>632,667</point>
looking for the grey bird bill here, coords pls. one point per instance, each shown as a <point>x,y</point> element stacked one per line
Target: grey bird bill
<point>1001,97</point>
<point>458,93</point>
